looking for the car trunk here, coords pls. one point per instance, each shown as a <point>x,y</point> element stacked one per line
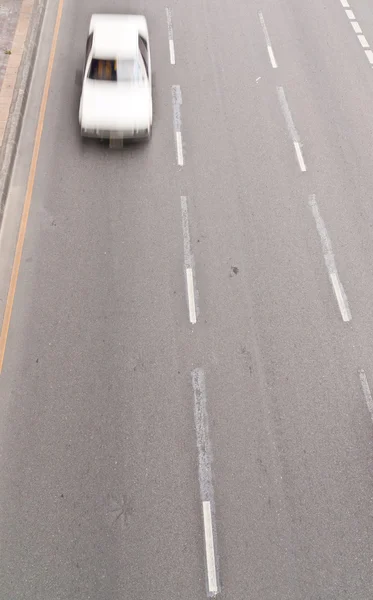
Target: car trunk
<point>116,107</point>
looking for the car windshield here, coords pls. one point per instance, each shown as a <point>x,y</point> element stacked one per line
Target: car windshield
<point>115,70</point>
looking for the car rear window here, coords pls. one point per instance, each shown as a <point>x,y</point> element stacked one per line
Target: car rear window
<point>113,70</point>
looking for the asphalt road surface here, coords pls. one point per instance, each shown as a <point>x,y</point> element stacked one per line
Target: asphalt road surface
<point>185,391</point>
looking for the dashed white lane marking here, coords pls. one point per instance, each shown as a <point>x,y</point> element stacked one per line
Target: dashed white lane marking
<point>369,55</point>
<point>172,51</point>
<point>300,158</point>
<point>341,296</point>
<point>170,36</point>
<point>363,41</point>
<point>356,27</point>
<point>291,127</point>
<point>366,391</point>
<point>205,480</point>
<point>177,102</point>
<point>209,547</point>
<point>268,41</point>
<point>330,261</point>
<point>191,296</point>
<point>188,261</point>
<point>179,149</point>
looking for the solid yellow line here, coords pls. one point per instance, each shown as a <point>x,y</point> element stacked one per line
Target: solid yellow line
<point>28,197</point>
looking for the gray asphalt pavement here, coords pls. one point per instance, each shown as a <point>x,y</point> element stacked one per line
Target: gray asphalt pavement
<point>113,451</point>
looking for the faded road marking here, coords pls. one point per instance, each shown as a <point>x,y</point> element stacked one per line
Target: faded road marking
<point>170,36</point>
<point>177,101</point>
<point>205,479</point>
<point>366,391</point>
<point>188,261</point>
<point>330,261</point>
<point>291,127</point>
<point>268,41</point>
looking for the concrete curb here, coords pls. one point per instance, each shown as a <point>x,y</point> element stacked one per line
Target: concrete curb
<point>18,105</point>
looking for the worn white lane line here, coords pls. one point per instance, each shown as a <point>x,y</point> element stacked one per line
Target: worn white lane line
<point>363,41</point>
<point>188,261</point>
<point>366,391</point>
<point>341,296</point>
<point>172,51</point>
<point>369,55</point>
<point>356,27</point>
<point>209,547</point>
<point>330,261</point>
<point>268,41</point>
<point>205,480</point>
<point>300,158</point>
<point>179,149</point>
<point>191,296</point>
<point>170,36</point>
<point>291,127</point>
<point>176,103</point>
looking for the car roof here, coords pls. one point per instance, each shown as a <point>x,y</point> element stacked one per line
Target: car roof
<point>115,36</point>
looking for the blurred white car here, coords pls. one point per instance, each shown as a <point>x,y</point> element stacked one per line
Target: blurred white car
<point>116,100</point>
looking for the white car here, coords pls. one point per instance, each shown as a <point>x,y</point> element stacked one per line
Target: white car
<point>116,100</point>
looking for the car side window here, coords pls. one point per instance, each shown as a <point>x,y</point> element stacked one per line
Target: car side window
<point>143,47</point>
<point>88,48</point>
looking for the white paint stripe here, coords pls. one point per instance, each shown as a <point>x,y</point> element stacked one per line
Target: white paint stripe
<point>363,41</point>
<point>330,261</point>
<point>272,57</point>
<point>169,24</point>
<point>188,257</point>
<point>172,52</point>
<point>287,114</point>
<point>345,4</point>
<point>341,297</point>
<point>356,27</point>
<point>209,547</point>
<point>291,127</point>
<point>366,391</point>
<point>179,148</point>
<point>350,15</point>
<point>177,101</point>
<point>369,55</point>
<point>188,261</point>
<point>205,479</point>
<point>268,41</point>
<point>191,296</point>
<point>300,158</point>
<point>170,36</point>
<point>202,432</point>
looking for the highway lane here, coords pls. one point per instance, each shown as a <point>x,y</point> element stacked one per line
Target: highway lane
<point>337,133</point>
<point>278,317</point>
<point>101,492</point>
<point>101,489</point>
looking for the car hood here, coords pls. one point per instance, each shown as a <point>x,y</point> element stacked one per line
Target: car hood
<point>115,106</point>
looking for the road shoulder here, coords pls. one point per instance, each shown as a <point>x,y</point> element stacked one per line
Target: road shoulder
<point>15,86</point>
